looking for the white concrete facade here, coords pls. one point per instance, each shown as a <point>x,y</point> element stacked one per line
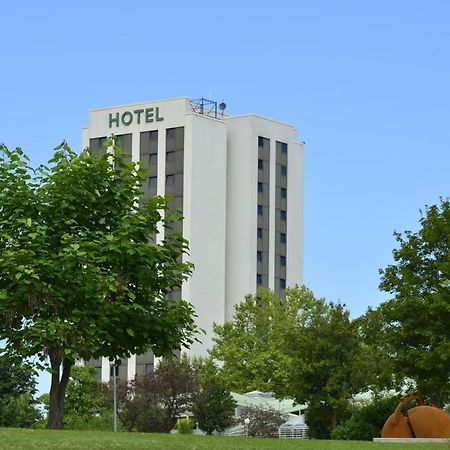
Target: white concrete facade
<point>219,200</point>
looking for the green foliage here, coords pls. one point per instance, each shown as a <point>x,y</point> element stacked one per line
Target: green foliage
<point>18,408</point>
<point>185,425</point>
<point>299,347</point>
<point>325,364</point>
<point>416,323</point>
<point>20,411</point>
<point>81,275</point>
<point>319,419</point>
<point>254,348</point>
<point>85,404</point>
<point>366,422</point>
<point>102,422</point>
<point>264,422</point>
<point>213,405</point>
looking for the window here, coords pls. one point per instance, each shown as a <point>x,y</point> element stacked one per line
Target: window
<point>259,256</point>
<point>260,141</point>
<point>260,164</point>
<point>152,181</point>
<point>283,261</point>
<point>260,210</point>
<point>170,179</point>
<point>153,159</point>
<point>170,133</point>
<point>170,157</point>
<point>260,187</point>
<point>282,283</point>
<point>283,215</point>
<point>283,148</point>
<point>148,368</point>
<point>259,233</point>
<point>258,279</point>
<point>283,238</point>
<point>283,192</point>
<point>283,170</point>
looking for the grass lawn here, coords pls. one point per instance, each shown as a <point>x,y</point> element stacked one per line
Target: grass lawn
<point>16,439</point>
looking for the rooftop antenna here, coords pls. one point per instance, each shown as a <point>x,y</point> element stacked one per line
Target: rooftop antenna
<point>222,107</point>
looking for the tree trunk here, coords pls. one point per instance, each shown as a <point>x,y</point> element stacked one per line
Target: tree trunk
<point>58,390</point>
<point>333,419</point>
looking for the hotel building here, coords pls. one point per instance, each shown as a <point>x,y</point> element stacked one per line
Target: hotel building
<point>238,181</point>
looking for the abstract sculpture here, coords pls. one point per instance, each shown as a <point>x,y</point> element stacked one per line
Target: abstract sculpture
<point>422,421</point>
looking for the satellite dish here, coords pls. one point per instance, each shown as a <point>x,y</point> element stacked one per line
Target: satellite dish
<point>222,106</point>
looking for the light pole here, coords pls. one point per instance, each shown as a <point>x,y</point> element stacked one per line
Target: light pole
<point>114,370</point>
<point>246,425</point>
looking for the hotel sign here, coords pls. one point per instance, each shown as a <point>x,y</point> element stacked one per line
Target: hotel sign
<point>144,115</point>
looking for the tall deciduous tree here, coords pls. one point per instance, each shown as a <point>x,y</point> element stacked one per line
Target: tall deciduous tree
<point>417,320</point>
<point>81,274</point>
<point>254,347</point>
<point>325,365</point>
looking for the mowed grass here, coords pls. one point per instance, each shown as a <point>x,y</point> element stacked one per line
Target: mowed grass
<point>46,439</point>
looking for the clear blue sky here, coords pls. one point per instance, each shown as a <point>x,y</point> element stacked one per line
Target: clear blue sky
<point>366,83</point>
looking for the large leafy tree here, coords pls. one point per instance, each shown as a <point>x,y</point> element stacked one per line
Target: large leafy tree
<point>325,370</point>
<point>81,273</point>
<point>253,348</point>
<point>416,322</point>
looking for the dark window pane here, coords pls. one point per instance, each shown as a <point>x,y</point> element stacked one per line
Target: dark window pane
<point>170,179</point>
<point>153,159</point>
<point>260,141</point>
<point>283,170</point>
<point>259,256</point>
<point>152,181</point>
<point>283,147</point>
<point>260,164</point>
<point>283,193</point>
<point>260,187</point>
<point>282,260</point>
<point>260,210</point>
<point>259,233</point>
<point>283,215</point>
<point>282,283</point>
<point>258,279</point>
<point>170,157</point>
<point>283,238</point>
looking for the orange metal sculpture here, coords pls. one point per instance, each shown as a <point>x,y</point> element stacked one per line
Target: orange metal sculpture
<point>422,421</point>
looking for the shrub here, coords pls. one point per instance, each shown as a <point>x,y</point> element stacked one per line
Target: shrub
<point>263,422</point>
<point>185,426</point>
<point>366,421</point>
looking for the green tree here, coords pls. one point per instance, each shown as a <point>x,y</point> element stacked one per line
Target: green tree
<point>17,389</point>
<point>325,371</point>
<point>416,322</point>
<point>253,348</point>
<point>81,274</point>
<point>213,405</point>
